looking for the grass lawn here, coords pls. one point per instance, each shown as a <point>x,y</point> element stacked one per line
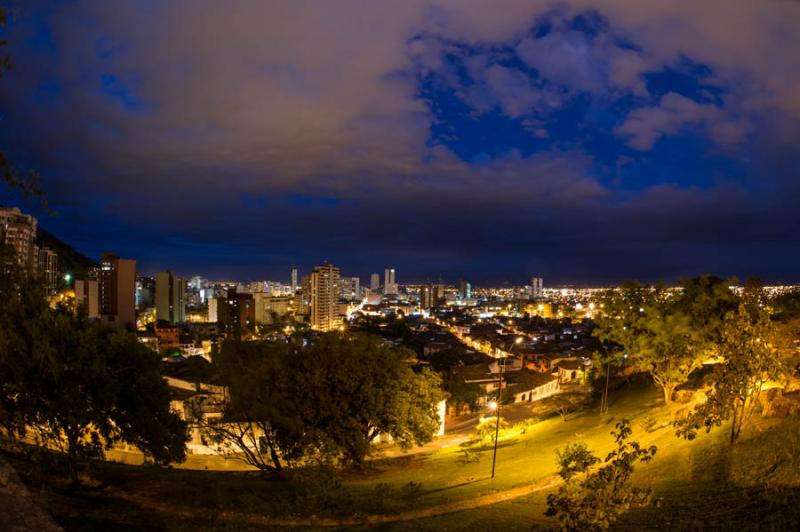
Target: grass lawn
<point>690,479</point>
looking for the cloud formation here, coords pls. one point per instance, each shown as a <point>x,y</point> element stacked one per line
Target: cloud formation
<point>479,138</point>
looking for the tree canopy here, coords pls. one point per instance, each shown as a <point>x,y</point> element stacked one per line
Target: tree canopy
<point>327,400</point>
<point>664,333</point>
<point>80,385</point>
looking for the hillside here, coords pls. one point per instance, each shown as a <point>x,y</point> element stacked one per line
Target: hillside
<point>698,484</point>
<point>70,260</point>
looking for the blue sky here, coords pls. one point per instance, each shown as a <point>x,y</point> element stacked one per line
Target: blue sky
<point>587,141</point>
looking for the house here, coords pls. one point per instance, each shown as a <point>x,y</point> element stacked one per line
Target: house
<point>573,370</point>
<point>528,386</point>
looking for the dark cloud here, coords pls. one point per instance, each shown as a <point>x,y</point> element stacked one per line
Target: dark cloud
<point>457,137</point>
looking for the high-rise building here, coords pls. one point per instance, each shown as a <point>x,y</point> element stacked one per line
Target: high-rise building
<point>537,287</point>
<point>170,297</point>
<point>86,298</point>
<point>426,296</point>
<point>375,282</point>
<point>270,308</point>
<point>465,290</point>
<point>294,280</point>
<point>389,282</point>
<point>350,288</point>
<point>438,295</point>
<point>236,312</point>
<point>325,298</point>
<point>145,292</point>
<point>47,268</point>
<point>212,309</point>
<point>18,231</point>
<point>117,290</point>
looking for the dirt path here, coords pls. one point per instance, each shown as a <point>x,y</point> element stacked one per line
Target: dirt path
<point>411,515</point>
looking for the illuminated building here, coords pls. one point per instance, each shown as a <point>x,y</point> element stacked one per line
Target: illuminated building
<point>236,312</point>
<point>169,337</point>
<point>212,309</point>
<point>117,290</point>
<point>389,282</point>
<point>19,231</point>
<point>438,294</point>
<point>465,290</point>
<point>86,298</point>
<point>537,287</point>
<point>374,282</point>
<point>268,307</point>
<point>350,288</point>
<point>426,296</point>
<point>294,280</point>
<point>325,298</point>
<point>47,267</point>
<point>145,292</point>
<point>170,297</point>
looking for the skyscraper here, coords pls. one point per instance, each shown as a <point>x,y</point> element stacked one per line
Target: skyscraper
<point>19,231</point>
<point>350,288</point>
<point>117,287</point>
<point>465,290</point>
<point>438,294</point>
<point>375,282</point>
<point>145,292</point>
<point>170,297</point>
<point>294,280</point>
<point>47,267</point>
<point>86,298</point>
<point>236,312</point>
<point>537,287</point>
<point>325,298</point>
<point>389,283</point>
<point>426,296</point>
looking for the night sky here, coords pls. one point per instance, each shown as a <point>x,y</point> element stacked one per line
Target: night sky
<point>586,141</point>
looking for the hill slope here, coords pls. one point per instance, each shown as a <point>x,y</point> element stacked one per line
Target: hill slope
<point>70,260</point>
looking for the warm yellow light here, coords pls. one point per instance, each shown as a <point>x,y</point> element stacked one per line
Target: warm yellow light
<point>492,405</point>
<point>518,340</point>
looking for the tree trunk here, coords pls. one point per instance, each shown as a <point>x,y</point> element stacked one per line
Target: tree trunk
<point>276,461</point>
<point>668,389</point>
<point>72,457</point>
<point>734,432</point>
<point>604,403</point>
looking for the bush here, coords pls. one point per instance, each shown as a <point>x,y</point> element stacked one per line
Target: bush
<point>486,431</point>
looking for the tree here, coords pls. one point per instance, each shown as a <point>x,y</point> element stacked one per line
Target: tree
<point>79,385</point>
<point>22,343</point>
<point>594,499</point>
<point>665,335</point>
<point>487,430</point>
<point>328,400</point>
<point>352,388</point>
<point>749,359</point>
<point>461,393</point>
<point>93,386</point>
<point>260,422</point>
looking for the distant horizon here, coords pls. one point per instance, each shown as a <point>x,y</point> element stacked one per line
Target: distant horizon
<point>285,277</point>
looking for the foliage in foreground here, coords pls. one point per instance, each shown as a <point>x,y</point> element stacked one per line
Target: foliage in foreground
<point>749,360</point>
<point>80,385</point>
<point>665,334</point>
<point>327,401</point>
<point>594,499</point>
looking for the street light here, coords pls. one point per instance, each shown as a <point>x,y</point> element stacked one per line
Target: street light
<point>495,405</point>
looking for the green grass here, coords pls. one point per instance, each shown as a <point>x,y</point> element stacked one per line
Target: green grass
<point>690,479</point>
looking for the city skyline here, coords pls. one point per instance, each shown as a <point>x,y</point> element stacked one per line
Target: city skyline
<point>587,141</point>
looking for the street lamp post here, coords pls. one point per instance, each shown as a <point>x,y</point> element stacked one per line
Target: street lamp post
<point>495,405</point>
